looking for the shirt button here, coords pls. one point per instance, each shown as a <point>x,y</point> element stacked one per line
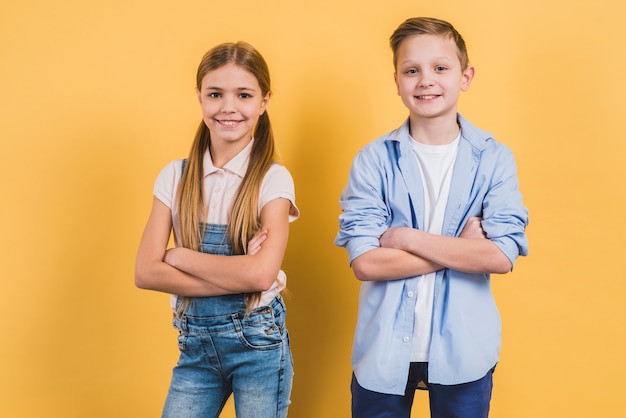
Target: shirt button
<point>405,339</point>
<point>410,294</point>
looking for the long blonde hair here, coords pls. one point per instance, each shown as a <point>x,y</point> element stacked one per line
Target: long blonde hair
<point>244,219</point>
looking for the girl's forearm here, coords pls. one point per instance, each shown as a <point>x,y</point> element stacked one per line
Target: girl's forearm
<point>160,276</point>
<point>235,274</point>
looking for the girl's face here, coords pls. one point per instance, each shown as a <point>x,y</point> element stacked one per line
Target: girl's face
<point>429,76</point>
<point>231,102</point>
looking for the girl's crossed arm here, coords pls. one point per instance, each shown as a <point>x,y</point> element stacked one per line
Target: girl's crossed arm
<point>152,273</point>
<point>254,272</point>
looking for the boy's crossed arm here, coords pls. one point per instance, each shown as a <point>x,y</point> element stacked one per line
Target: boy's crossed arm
<point>406,252</point>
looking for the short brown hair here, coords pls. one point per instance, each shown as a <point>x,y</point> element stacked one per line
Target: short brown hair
<point>428,26</point>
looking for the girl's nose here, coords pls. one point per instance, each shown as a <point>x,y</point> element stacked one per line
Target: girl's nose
<point>228,105</point>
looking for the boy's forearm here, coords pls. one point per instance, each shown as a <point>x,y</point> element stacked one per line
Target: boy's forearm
<point>381,264</point>
<point>470,255</point>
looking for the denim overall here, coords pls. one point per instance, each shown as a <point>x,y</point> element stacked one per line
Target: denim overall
<point>224,351</point>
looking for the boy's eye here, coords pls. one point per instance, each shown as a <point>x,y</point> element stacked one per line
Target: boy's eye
<point>440,68</point>
<point>412,71</point>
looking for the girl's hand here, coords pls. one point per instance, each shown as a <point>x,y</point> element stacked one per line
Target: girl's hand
<point>170,256</point>
<point>254,245</point>
<point>473,229</point>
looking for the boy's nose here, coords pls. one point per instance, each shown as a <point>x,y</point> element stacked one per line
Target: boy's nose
<point>426,82</point>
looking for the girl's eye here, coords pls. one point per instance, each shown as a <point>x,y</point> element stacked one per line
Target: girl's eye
<point>245,95</point>
<point>214,95</point>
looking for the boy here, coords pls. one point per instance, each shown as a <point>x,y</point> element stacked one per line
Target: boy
<point>429,211</point>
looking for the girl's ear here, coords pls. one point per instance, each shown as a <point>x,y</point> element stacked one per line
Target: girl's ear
<point>199,96</point>
<point>264,102</point>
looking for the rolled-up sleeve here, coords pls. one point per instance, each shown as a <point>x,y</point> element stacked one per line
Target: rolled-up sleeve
<point>364,211</point>
<point>504,215</point>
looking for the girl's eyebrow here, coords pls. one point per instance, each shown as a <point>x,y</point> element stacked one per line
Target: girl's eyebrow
<point>221,89</point>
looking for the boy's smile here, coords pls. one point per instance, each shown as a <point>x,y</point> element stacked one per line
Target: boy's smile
<point>429,77</point>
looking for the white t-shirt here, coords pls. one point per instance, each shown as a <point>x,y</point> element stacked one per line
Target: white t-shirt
<point>220,187</point>
<point>436,164</point>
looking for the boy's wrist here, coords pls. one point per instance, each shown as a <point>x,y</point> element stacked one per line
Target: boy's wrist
<point>414,243</point>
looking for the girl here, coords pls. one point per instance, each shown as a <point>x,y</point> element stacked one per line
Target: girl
<point>229,205</point>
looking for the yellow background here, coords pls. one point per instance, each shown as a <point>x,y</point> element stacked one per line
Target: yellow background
<point>96,97</point>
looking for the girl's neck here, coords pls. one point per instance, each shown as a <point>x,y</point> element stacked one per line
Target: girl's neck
<point>222,153</point>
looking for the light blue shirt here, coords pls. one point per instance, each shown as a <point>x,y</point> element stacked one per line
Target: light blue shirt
<point>385,190</point>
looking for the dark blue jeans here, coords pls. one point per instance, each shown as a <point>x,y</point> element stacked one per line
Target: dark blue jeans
<point>467,400</point>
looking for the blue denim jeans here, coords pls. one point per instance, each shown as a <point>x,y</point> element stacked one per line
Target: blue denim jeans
<point>223,351</point>
<point>466,400</point>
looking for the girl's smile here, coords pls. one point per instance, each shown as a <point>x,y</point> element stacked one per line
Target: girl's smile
<point>229,123</point>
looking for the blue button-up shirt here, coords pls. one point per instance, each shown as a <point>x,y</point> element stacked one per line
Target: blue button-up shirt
<point>385,190</point>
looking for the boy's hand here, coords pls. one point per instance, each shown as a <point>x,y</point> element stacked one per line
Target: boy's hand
<point>395,237</point>
<point>401,238</point>
<point>254,245</point>
<point>473,229</point>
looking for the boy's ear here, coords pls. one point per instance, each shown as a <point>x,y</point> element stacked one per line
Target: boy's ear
<point>468,76</point>
<point>395,80</point>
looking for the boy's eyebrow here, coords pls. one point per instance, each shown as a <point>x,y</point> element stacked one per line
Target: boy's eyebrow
<point>443,57</point>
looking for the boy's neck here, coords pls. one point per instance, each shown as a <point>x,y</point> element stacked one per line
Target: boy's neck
<point>434,131</point>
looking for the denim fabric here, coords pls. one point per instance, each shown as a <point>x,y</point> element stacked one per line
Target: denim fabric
<point>224,351</point>
<point>466,400</point>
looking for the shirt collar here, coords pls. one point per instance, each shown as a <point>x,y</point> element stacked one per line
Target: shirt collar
<point>477,137</point>
<point>237,165</point>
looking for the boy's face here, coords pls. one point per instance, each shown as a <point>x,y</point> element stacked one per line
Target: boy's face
<point>429,76</point>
